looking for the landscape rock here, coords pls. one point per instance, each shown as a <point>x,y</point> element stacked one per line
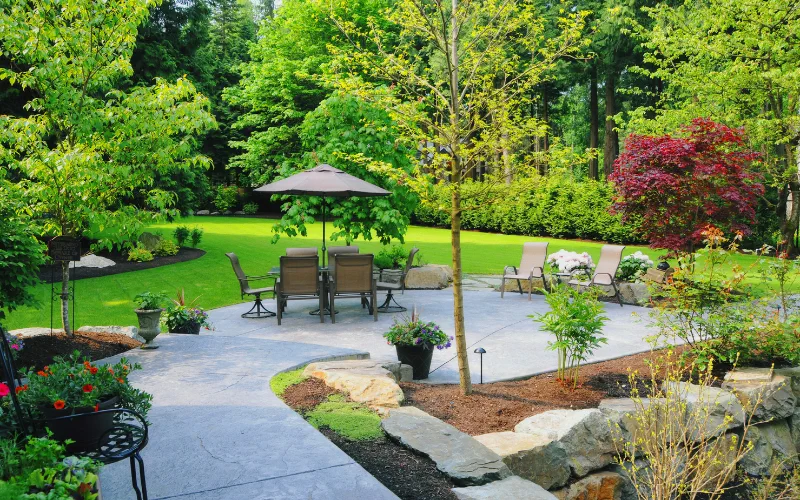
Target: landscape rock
<point>214,213</point>
<point>364,380</point>
<point>202,212</point>
<point>400,372</point>
<point>530,456</point>
<point>227,212</point>
<point>584,434</point>
<point>719,404</point>
<point>427,278</point>
<point>34,331</point>
<point>239,212</point>
<point>512,488</point>
<point>794,428</point>
<point>466,461</point>
<point>597,486</point>
<point>771,442</point>
<point>149,240</point>
<point>128,331</point>
<point>794,375</point>
<point>770,393</point>
<point>94,261</point>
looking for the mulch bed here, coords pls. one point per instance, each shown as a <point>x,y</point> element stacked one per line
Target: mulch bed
<point>53,272</point>
<point>40,350</point>
<point>306,395</point>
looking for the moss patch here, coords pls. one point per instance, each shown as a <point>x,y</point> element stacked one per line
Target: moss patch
<point>281,381</point>
<point>351,420</point>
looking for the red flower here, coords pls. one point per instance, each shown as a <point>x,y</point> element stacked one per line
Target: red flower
<point>59,404</point>
<point>86,364</point>
<point>121,380</point>
<point>4,390</point>
<point>111,371</point>
<point>84,488</point>
<point>93,370</point>
<point>46,368</point>
<point>88,388</point>
<point>97,407</point>
<point>21,388</point>
<point>41,373</point>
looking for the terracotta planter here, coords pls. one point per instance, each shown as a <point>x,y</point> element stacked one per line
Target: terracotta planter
<point>418,356</point>
<point>86,431</point>
<point>149,325</point>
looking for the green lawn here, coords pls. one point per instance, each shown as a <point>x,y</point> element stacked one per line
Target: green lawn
<point>107,300</point>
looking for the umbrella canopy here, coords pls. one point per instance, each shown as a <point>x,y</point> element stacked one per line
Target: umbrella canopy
<point>323,180</point>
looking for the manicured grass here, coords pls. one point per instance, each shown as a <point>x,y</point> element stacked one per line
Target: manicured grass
<point>282,381</point>
<point>108,300</point>
<point>351,420</point>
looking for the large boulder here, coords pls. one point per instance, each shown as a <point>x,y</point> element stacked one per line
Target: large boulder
<point>531,456</point>
<point>149,240</point>
<point>430,277</point>
<point>598,486</point>
<point>585,435</point>
<point>364,380</point>
<point>770,394</point>
<point>466,461</point>
<point>511,488</point>
<point>629,414</point>
<point>722,409</point>
<point>772,442</point>
<point>794,428</point>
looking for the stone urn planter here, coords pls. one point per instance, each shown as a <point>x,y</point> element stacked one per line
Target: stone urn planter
<point>149,326</point>
<point>418,356</point>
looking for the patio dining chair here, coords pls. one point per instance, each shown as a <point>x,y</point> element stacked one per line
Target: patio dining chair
<point>334,251</point>
<point>245,288</point>
<point>391,286</point>
<point>606,271</point>
<point>302,252</point>
<point>299,280</point>
<point>531,267</point>
<point>352,277</point>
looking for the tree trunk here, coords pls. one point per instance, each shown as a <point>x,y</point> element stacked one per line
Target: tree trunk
<point>506,161</point>
<point>790,213</point>
<point>546,119</point>
<point>593,123</point>
<point>65,298</point>
<point>611,146</point>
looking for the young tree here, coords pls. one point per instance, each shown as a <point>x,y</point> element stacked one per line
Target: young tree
<point>459,89</point>
<point>85,145</point>
<point>676,187</point>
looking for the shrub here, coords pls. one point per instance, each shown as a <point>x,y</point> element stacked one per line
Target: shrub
<point>165,248</point>
<point>576,320</point>
<point>181,234</point>
<point>351,420</point>
<point>633,267</point>
<point>250,209</point>
<point>139,254</point>
<point>196,236</point>
<point>565,261</point>
<point>391,257</point>
<point>226,198</point>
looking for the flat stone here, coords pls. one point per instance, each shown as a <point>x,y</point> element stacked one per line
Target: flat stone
<point>202,212</point>
<point>723,408</point>
<point>530,456</point>
<point>364,380</point>
<point>214,213</point>
<point>128,331</point>
<point>510,488</point>
<point>94,261</point>
<point>456,454</point>
<point>629,413</point>
<point>585,435</point>
<point>34,331</point>
<point>597,486</point>
<point>428,277</point>
<point>772,442</point>
<point>771,394</point>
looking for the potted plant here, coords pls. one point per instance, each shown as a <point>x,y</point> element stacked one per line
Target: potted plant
<point>181,317</point>
<point>149,311</point>
<point>414,340</point>
<point>76,386</point>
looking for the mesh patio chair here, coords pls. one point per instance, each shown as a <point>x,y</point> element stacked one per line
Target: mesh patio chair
<point>258,310</point>
<point>352,277</point>
<point>391,286</point>
<point>299,280</point>
<point>531,267</point>
<point>606,271</point>
<point>334,251</point>
<point>302,252</point>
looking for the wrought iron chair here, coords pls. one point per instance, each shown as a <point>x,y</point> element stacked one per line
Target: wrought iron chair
<point>391,286</point>
<point>531,267</point>
<point>606,271</point>
<point>352,277</point>
<point>258,310</point>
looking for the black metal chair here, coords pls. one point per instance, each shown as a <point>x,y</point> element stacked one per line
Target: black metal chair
<point>258,310</point>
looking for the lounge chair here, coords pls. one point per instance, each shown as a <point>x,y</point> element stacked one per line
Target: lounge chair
<point>391,286</point>
<point>352,277</point>
<point>299,280</point>
<point>531,267</point>
<point>258,310</point>
<point>302,252</point>
<point>606,271</point>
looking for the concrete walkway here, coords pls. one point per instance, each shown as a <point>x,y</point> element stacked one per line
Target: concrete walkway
<point>515,346</point>
<point>218,431</point>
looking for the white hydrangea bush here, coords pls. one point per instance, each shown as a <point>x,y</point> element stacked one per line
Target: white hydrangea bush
<point>565,261</point>
<point>634,266</point>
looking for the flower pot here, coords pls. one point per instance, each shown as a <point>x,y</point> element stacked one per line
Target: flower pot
<point>191,328</point>
<point>418,356</point>
<point>149,326</point>
<point>87,430</point>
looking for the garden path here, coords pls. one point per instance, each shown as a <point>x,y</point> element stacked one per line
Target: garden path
<point>219,432</point>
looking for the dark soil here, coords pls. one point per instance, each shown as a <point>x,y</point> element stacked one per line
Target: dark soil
<point>40,350</point>
<point>48,274</point>
<point>307,395</point>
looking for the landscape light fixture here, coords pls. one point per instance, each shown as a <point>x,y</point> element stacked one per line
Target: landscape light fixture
<point>481,351</point>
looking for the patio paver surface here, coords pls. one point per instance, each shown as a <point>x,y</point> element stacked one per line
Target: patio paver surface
<point>219,432</point>
<point>515,346</point>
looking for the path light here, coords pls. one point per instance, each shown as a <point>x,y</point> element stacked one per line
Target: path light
<point>481,351</point>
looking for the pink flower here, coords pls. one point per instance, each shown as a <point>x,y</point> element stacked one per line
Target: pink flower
<point>15,347</point>
<point>4,390</point>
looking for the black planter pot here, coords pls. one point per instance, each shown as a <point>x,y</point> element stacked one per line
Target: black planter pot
<point>191,328</point>
<point>85,431</point>
<point>418,356</point>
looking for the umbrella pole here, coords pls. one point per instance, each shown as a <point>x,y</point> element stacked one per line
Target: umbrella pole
<point>323,231</point>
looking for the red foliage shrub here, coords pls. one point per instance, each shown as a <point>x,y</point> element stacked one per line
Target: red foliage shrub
<point>678,186</point>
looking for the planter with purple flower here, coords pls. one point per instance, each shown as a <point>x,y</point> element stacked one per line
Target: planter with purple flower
<point>185,318</point>
<point>414,340</point>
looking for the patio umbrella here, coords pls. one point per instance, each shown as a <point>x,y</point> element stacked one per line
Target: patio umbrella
<point>323,180</point>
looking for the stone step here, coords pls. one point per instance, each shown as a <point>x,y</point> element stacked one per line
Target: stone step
<point>455,453</point>
<point>513,487</point>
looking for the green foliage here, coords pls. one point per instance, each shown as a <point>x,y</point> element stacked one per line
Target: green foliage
<point>391,257</point>
<point>139,254</point>
<point>227,197</point>
<point>576,319</point>
<point>348,419</point>
<point>165,248</point>
<point>180,315</point>
<point>633,267</point>
<point>250,209</point>
<point>150,300</point>
<point>181,234</point>
<point>196,236</point>
<point>282,381</point>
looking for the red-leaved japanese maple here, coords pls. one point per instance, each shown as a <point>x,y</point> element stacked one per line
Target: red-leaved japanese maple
<point>675,187</point>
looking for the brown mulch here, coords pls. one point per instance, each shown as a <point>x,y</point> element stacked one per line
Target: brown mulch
<point>500,406</point>
<point>40,350</point>
<point>306,395</point>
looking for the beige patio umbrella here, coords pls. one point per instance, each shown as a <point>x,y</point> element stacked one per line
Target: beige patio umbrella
<point>323,180</point>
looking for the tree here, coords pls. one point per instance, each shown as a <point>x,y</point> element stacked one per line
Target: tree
<point>679,186</point>
<point>87,145</point>
<point>459,90</point>
<point>734,61</point>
